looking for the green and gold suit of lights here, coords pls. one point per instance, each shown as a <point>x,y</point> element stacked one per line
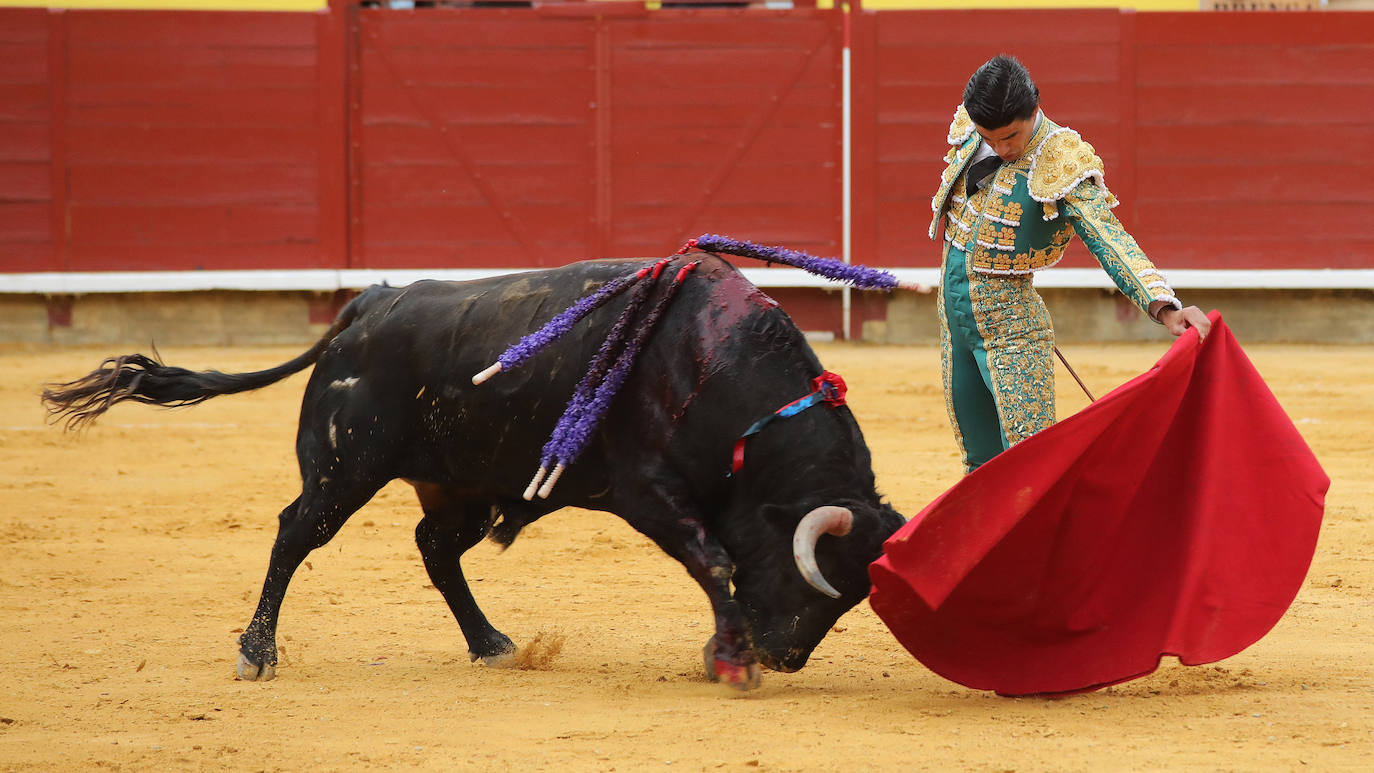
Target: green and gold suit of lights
<point>996,336</point>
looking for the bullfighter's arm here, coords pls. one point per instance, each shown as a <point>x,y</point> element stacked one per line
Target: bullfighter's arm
<point>1116,250</point>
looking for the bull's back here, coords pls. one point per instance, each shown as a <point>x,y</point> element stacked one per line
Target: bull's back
<point>721,344</point>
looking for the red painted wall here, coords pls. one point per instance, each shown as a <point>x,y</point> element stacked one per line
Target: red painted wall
<point>166,141</point>
<point>26,143</point>
<point>1234,140</point>
<point>535,137</point>
<point>509,138</point>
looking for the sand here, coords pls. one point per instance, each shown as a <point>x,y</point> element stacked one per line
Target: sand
<point>133,554</point>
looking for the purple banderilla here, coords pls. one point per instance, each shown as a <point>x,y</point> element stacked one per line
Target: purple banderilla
<point>860,276</point>
<point>554,329</point>
<point>584,422</point>
<point>587,388</point>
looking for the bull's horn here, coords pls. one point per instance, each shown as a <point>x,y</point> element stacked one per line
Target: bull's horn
<point>828,519</point>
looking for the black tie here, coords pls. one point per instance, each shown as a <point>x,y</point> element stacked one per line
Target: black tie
<point>980,169</point>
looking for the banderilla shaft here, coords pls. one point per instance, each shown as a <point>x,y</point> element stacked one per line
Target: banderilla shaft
<point>1083,386</point>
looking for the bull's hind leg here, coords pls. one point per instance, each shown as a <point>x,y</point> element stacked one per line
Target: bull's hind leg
<point>307,523</point>
<point>452,525</point>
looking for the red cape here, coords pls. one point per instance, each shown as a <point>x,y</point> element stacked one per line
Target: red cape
<point>1177,515</point>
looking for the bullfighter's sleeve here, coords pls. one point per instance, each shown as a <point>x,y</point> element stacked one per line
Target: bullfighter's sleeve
<point>1116,250</point>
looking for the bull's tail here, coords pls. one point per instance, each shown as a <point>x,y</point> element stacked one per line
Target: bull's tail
<point>144,379</point>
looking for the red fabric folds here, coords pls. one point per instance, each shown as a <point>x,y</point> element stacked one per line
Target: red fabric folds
<point>1177,515</point>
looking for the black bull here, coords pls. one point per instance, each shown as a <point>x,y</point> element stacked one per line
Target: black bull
<point>391,397</point>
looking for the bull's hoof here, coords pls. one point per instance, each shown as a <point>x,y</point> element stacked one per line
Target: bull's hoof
<point>499,653</point>
<point>499,660</point>
<point>257,663</point>
<point>739,677</point>
<point>719,670</point>
<point>249,671</point>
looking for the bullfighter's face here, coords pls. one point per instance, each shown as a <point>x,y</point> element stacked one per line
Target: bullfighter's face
<point>1009,141</point>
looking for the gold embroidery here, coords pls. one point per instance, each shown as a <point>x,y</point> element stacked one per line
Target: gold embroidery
<point>961,128</point>
<point>1062,161</point>
<point>1114,248</point>
<point>1016,331</point>
<point>1004,211</point>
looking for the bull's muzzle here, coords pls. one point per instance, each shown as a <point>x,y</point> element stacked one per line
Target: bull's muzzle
<point>827,519</point>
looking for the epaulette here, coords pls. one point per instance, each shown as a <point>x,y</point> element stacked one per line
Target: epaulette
<point>1062,161</point>
<point>961,128</point>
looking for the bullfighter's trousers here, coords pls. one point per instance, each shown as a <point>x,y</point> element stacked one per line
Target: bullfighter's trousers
<point>996,345</point>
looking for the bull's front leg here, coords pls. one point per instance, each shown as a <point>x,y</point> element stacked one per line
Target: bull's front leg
<point>728,653</point>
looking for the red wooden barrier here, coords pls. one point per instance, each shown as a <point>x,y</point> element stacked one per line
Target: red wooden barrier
<point>515,138</point>
<point>1233,140</point>
<point>174,140</point>
<point>27,138</point>
<point>510,138</point>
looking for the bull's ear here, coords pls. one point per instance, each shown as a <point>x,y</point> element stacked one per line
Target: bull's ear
<point>782,519</point>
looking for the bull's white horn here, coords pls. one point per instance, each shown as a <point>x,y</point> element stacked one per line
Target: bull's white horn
<point>828,519</point>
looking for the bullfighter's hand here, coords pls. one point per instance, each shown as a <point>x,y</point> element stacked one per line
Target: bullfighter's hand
<point>1179,320</point>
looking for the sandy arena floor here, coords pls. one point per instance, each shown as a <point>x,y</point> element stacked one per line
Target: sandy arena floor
<point>133,555</point>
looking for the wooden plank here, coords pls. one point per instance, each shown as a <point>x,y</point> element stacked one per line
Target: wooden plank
<point>1241,254</point>
<point>200,256</point>
<point>486,82</point>
<point>58,87</point>
<point>489,64</point>
<point>750,30</point>
<point>691,104</point>
<point>24,142</point>
<point>449,184</point>
<point>26,180</point>
<point>534,144</point>
<point>193,183</point>
<point>91,29</point>
<point>949,66</point>
<point>1328,28</point>
<point>153,66</point>
<point>800,184</point>
<point>24,25</point>
<point>1234,180</point>
<point>247,107</point>
<point>603,206</point>
<point>409,224</point>
<point>23,61</point>
<point>23,102</point>
<point>331,211</point>
<point>1278,220</point>
<point>191,225</point>
<point>190,144</point>
<point>1305,104</point>
<point>774,145</point>
<point>463,105</point>
<point>1275,144</point>
<point>25,222</point>
<point>1227,63</point>
<point>439,30</point>
<point>24,256</point>
<point>996,30</point>
<point>1124,179</point>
